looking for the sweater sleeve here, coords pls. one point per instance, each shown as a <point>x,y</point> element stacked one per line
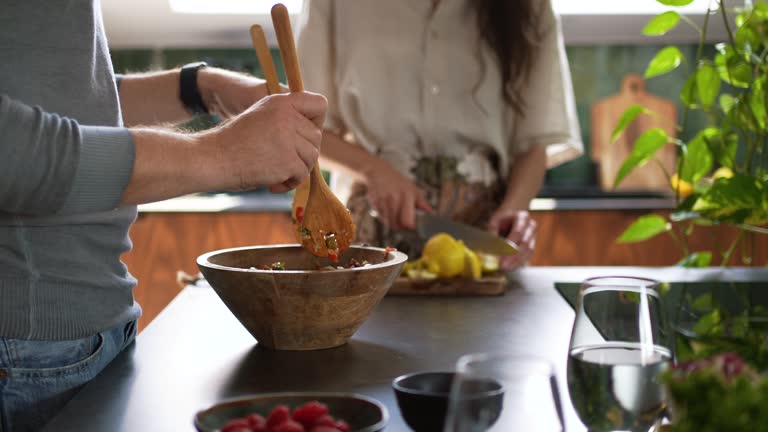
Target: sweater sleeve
<point>50,164</point>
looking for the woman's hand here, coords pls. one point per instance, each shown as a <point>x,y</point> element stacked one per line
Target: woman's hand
<point>517,226</point>
<point>394,197</point>
<point>229,93</point>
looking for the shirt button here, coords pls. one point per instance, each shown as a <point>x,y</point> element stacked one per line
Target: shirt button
<point>435,89</point>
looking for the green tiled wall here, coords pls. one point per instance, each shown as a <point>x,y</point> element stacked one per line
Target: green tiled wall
<point>597,72</point>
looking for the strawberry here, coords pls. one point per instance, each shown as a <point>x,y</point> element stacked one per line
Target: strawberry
<point>237,425</point>
<point>278,415</point>
<point>308,413</point>
<point>325,420</point>
<point>288,426</point>
<point>257,422</point>
<point>323,428</point>
<point>342,426</point>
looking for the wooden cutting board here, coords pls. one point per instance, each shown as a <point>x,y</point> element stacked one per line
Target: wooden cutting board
<point>610,156</point>
<point>487,286</point>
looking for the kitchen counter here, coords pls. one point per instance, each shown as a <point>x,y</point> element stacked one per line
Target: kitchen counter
<point>262,202</point>
<point>196,353</point>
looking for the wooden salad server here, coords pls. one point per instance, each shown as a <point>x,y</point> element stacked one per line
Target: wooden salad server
<point>264,55</point>
<point>301,193</point>
<point>326,228</point>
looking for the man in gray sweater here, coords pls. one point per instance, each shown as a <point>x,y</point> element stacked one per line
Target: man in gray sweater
<point>74,164</point>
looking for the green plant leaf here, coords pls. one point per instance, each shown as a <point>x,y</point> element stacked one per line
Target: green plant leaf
<point>707,84</point>
<point>761,10</point>
<point>732,199</point>
<point>727,102</point>
<point>703,302</point>
<point>662,23</point>
<point>675,2</point>
<point>740,116</point>
<point>757,102</point>
<point>746,38</point>
<point>644,148</point>
<point>723,148</point>
<point>644,228</point>
<point>697,260</point>
<point>666,60</point>
<point>731,67</point>
<point>708,324</point>
<point>689,94</point>
<point>697,157</point>
<point>629,115</point>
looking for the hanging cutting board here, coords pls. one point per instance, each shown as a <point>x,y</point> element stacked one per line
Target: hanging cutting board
<point>610,156</point>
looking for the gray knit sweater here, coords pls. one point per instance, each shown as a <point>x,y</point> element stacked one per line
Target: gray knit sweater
<point>65,160</point>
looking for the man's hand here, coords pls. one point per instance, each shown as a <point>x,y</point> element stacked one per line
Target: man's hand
<point>229,93</point>
<point>394,197</point>
<point>517,226</point>
<point>275,142</point>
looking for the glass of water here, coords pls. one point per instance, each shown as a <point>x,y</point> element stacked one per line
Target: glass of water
<point>620,345</point>
<point>503,393</point>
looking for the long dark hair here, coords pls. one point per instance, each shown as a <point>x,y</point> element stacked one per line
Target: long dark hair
<point>511,29</point>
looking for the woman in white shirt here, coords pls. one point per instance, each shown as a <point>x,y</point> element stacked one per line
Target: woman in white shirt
<point>453,106</point>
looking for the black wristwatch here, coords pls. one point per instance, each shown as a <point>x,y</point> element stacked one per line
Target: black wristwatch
<point>189,92</point>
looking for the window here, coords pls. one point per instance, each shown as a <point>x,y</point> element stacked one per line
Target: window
<point>226,7</point>
<point>623,7</point>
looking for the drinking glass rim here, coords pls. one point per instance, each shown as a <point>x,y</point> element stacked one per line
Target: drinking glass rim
<point>467,359</point>
<point>653,292</point>
<point>652,283</point>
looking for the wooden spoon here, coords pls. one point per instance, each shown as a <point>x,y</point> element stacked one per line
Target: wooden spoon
<point>326,228</point>
<point>264,55</point>
<point>265,59</point>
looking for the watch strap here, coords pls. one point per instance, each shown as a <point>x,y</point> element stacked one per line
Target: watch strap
<point>189,92</point>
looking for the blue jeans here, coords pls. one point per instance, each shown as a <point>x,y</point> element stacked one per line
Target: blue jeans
<point>38,377</point>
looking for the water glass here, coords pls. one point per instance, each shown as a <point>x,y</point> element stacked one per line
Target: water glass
<point>620,345</point>
<point>500,392</point>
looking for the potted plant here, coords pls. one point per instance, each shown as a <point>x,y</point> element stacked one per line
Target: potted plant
<point>721,178</point>
<point>716,394</point>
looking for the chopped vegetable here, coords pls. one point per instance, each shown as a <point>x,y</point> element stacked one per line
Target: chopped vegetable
<point>305,233</point>
<point>332,243</point>
<point>300,214</point>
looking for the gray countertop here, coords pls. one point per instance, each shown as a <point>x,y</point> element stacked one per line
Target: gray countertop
<point>261,202</point>
<point>195,353</point>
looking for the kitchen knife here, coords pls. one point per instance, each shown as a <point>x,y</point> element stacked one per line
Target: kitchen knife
<point>476,239</point>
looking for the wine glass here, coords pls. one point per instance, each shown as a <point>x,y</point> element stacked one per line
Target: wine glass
<point>620,345</point>
<point>500,392</point>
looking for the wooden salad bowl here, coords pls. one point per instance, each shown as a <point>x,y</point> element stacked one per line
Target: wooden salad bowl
<point>302,307</point>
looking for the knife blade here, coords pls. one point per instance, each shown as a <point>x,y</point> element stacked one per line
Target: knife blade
<point>476,239</point>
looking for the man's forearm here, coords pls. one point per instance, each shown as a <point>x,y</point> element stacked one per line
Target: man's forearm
<point>169,164</point>
<point>152,99</point>
<point>526,175</point>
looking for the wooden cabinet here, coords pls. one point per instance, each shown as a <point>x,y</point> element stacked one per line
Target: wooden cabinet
<point>164,243</point>
<point>588,237</point>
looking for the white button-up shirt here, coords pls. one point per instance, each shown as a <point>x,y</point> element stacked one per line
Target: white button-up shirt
<point>408,82</point>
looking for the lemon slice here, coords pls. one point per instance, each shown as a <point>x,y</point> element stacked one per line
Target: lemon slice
<point>472,267</point>
<point>488,263</point>
<point>420,274</point>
